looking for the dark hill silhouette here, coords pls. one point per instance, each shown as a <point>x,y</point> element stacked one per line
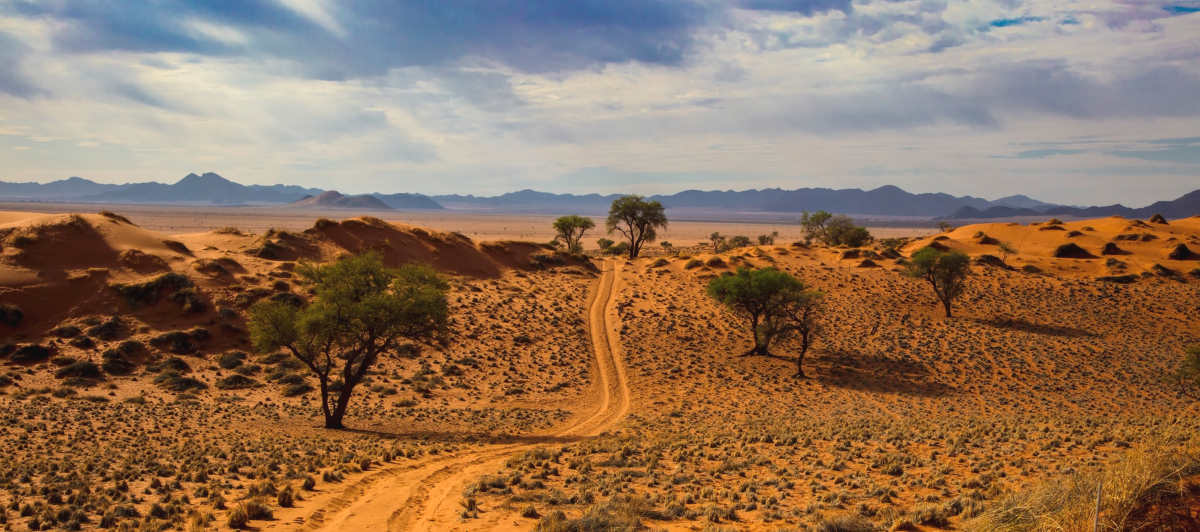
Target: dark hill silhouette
<point>1181,207</point>
<point>208,188</point>
<point>336,200</point>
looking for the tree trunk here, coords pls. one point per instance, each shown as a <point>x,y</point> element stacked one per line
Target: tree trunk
<point>325,402</point>
<point>334,419</point>
<point>946,304</point>
<point>800,357</point>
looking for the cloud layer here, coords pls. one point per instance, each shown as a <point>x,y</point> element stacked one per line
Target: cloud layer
<point>982,97</point>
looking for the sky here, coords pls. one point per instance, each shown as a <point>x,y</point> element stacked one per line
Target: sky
<point>1090,102</point>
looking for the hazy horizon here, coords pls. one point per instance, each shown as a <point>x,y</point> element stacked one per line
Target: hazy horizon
<point>1066,102</point>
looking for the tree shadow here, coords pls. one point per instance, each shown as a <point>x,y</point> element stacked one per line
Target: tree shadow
<point>466,437</point>
<point>1018,324</point>
<point>875,373</point>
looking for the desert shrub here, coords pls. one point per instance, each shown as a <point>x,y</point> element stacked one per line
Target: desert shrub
<point>117,366</point>
<point>660,263</point>
<point>231,359</point>
<point>174,381</point>
<point>236,382</point>
<point>286,497</point>
<point>151,291</point>
<point>715,262</point>
<point>228,230</point>
<point>82,342</point>
<point>293,390</point>
<point>31,353</point>
<point>82,369</point>
<point>11,315</point>
<point>694,263</point>
<point>66,331</point>
<point>845,523</point>
<point>111,329</point>
<point>739,241</point>
<point>177,342</point>
<point>175,364</point>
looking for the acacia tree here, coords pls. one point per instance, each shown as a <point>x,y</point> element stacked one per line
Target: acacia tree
<point>637,219</point>
<point>570,231</point>
<point>775,305</point>
<point>360,311</point>
<point>718,241</point>
<point>814,225</point>
<point>946,272</point>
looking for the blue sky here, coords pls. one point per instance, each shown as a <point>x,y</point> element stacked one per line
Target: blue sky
<point>1079,102</point>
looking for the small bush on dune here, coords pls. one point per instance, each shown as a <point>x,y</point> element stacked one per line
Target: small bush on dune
<point>29,354</point>
<point>151,291</point>
<point>82,369</point>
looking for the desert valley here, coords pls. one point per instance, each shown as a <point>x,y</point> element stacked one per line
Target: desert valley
<point>600,266</point>
<point>594,391</point>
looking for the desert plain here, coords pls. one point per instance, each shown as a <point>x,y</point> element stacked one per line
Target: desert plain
<point>597,392</point>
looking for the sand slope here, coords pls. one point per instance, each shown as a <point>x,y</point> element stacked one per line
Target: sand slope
<point>1078,248</point>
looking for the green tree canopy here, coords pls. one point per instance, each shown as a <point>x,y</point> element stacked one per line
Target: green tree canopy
<point>637,219</point>
<point>570,230</point>
<point>774,304</point>
<point>946,272</point>
<point>360,311</point>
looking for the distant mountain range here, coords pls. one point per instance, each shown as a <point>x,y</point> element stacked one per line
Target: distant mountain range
<point>207,189</point>
<point>1181,207</point>
<point>212,189</point>
<point>882,201</point>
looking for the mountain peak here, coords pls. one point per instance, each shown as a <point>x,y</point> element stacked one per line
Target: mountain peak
<point>207,179</point>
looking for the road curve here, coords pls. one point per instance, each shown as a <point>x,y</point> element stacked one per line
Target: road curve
<point>425,496</point>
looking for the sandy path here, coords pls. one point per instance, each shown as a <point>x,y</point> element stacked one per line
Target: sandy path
<point>426,496</point>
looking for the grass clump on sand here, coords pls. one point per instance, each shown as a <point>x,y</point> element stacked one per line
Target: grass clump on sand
<point>1151,478</point>
<point>175,286</point>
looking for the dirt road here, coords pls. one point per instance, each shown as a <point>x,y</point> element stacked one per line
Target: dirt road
<point>426,495</point>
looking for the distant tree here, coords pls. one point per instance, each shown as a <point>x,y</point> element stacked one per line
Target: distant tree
<point>570,231</point>
<point>1006,249</point>
<point>718,241</point>
<point>666,245</point>
<point>604,243</point>
<point>637,219</point>
<point>774,304</point>
<point>946,272</point>
<point>945,227</point>
<point>840,230</point>
<point>739,241</point>
<point>360,311</point>
<point>1187,375</point>
<point>814,225</point>
<point>768,240</point>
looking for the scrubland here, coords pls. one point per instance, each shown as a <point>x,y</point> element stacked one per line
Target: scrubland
<point>133,400</point>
